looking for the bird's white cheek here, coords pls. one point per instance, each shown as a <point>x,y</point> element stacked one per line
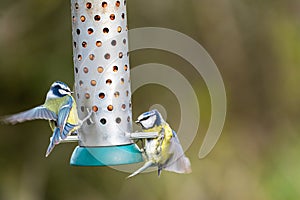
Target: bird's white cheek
<point>63,92</point>
<point>147,124</point>
<point>50,95</point>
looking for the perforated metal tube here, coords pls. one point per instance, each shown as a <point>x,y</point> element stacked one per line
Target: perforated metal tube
<point>102,70</point>
<point>101,67</point>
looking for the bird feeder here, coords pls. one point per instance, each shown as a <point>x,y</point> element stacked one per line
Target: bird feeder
<point>102,83</point>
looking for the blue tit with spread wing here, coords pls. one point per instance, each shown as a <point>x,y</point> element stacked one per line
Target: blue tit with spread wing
<point>164,151</point>
<point>59,108</point>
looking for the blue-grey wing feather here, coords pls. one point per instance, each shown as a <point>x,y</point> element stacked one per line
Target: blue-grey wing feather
<point>178,162</point>
<point>39,112</point>
<point>67,130</point>
<point>63,113</point>
<point>54,141</point>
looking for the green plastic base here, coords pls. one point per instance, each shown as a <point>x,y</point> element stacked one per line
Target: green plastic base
<point>105,156</point>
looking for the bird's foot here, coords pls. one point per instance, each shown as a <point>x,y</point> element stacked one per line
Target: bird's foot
<point>88,117</point>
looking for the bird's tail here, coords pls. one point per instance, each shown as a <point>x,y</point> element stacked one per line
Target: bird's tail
<point>143,168</point>
<point>55,139</point>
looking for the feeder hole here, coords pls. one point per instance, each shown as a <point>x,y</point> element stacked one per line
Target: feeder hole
<point>88,5</point>
<point>118,120</point>
<point>115,68</point>
<point>91,56</point>
<point>88,122</point>
<point>119,29</point>
<point>100,69</point>
<point>101,95</point>
<point>112,17</point>
<point>87,95</point>
<point>90,31</point>
<point>107,56</point>
<point>103,121</point>
<point>98,43</point>
<point>97,17</point>
<point>125,67</point>
<point>84,44</point>
<point>110,107</point>
<point>113,42</point>
<point>85,70</point>
<point>117,94</point>
<point>105,30</point>
<point>95,108</point>
<point>82,18</point>
<point>108,81</point>
<point>93,82</point>
<point>104,4</point>
<point>118,3</point>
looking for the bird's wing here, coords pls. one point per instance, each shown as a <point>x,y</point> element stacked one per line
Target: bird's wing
<point>178,162</point>
<point>55,139</point>
<point>63,114</point>
<point>39,112</point>
<point>143,168</point>
<point>68,128</point>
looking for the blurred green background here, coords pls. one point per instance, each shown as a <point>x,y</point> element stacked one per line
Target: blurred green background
<point>256,46</point>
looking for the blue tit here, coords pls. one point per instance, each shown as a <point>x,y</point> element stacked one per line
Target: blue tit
<point>164,151</point>
<point>59,108</point>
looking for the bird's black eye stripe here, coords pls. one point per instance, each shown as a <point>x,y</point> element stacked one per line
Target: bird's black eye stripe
<point>65,89</point>
<point>145,118</point>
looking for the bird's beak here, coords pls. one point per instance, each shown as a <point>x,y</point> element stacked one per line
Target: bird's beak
<point>72,92</point>
<point>137,121</point>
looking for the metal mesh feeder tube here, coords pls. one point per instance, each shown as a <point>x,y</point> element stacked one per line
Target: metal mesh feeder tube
<point>102,83</point>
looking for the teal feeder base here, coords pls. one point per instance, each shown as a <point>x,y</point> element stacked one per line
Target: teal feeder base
<point>106,155</point>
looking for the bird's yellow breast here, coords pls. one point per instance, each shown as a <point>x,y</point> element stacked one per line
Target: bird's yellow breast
<point>73,116</point>
<point>55,104</point>
<point>158,148</point>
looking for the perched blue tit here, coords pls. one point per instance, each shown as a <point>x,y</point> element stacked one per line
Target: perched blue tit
<point>164,151</point>
<point>59,108</point>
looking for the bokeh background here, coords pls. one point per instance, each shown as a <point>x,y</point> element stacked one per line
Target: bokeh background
<point>256,46</point>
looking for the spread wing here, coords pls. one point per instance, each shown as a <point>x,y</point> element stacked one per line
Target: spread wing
<point>178,162</point>
<point>39,112</point>
<point>63,114</point>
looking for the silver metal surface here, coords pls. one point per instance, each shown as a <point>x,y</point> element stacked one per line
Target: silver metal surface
<point>70,138</point>
<point>101,68</point>
<point>142,135</point>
